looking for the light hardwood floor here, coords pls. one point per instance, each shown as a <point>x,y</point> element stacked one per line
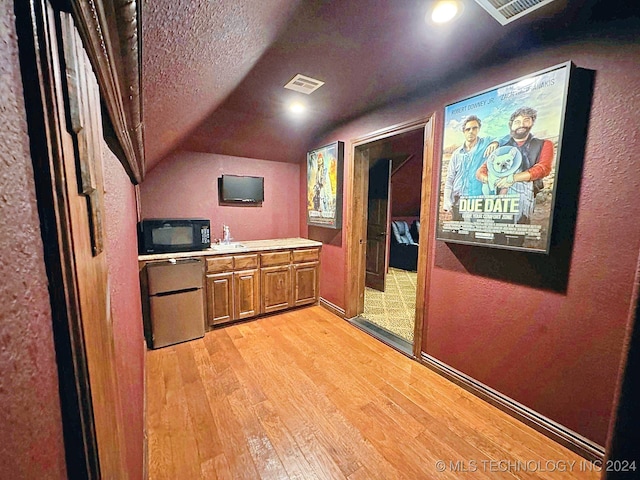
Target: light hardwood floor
<point>305,395</point>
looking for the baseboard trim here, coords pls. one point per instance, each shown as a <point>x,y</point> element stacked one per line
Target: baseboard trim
<point>336,310</point>
<point>568,438</point>
<point>145,431</point>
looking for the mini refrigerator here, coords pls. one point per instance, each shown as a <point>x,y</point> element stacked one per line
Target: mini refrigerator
<point>176,301</point>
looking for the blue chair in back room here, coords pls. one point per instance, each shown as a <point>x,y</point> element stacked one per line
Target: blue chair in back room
<point>404,251</point>
<point>414,230</point>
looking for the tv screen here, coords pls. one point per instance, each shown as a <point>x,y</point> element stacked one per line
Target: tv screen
<point>236,188</point>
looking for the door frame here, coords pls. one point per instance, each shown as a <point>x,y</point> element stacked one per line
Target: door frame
<point>38,53</point>
<point>39,26</point>
<point>356,224</point>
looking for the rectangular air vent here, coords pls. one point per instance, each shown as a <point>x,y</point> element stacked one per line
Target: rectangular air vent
<point>506,11</point>
<point>301,83</point>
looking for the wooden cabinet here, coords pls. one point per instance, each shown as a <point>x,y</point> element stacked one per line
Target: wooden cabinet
<point>249,284</point>
<point>306,270</point>
<point>306,255</point>
<point>272,259</point>
<point>232,295</point>
<point>242,285</point>
<point>246,286</point>
<point>219,264</point>
<point>305,283</point>
<point>245,262</point>
<point>219,293</point>
<point>276,288</point>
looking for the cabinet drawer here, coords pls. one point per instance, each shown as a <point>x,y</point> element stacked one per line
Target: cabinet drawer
<point>308,255</point>
<point>275,258</point>
<point>219,264</point>
<point>244,262</point>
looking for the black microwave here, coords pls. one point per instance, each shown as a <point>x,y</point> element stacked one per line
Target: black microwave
<point>167,235</point>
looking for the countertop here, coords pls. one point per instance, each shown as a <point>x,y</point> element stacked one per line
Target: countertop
<point>237,247</point>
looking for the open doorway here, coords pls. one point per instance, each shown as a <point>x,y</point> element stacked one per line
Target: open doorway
<point>386,298</point>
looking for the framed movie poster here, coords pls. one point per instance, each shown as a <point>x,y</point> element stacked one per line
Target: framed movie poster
<point>500,155</point>
<point>324,185</point>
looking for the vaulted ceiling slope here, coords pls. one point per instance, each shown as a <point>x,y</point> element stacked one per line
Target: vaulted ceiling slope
<point>214,71</point>
<point>194,53</point>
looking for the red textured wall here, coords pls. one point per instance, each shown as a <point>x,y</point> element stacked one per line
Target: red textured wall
<point>30,420</point>
<point>333,253</point>
<point>126,310</point>
<point>186,185</point>
<point>489,313</point>
<point>406,184</point>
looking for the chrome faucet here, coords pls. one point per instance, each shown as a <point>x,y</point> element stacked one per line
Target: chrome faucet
<point>226,235</point>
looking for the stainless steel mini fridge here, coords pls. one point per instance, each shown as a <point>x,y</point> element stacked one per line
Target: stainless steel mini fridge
<point>176,301</point>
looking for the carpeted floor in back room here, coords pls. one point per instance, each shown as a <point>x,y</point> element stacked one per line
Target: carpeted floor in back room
<point>393,309</point>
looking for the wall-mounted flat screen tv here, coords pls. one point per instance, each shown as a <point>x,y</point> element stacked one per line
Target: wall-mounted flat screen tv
<point>242,189</point>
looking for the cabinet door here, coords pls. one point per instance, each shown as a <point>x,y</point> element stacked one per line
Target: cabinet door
<point>246,286</point>
<point>219,298</point>
<point>276,288</point>
<point>305,283</point>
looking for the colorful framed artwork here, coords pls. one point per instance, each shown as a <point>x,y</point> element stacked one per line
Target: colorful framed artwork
<point>324,185</point>
<point>500,156</point>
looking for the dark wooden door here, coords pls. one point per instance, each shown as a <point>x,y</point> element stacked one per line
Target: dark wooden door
<point>377,224</point>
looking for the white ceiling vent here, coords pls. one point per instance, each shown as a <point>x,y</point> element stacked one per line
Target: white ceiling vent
<point>506,11</point>
<point>301,83</point>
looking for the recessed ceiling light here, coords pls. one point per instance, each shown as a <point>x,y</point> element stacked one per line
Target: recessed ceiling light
<point>445,10</point>
<point>297,107</point>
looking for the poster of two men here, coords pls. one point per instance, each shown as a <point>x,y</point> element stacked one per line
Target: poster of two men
<point>500,157</point>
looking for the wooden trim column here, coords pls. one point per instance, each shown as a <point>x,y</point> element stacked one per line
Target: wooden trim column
<point>110,34</point>
<point>426,249</point>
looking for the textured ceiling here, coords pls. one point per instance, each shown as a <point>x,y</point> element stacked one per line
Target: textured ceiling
<point>214,71</point>
<point>194,53</point>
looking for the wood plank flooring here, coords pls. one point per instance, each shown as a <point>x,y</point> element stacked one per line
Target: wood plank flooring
<point>305,395</point>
